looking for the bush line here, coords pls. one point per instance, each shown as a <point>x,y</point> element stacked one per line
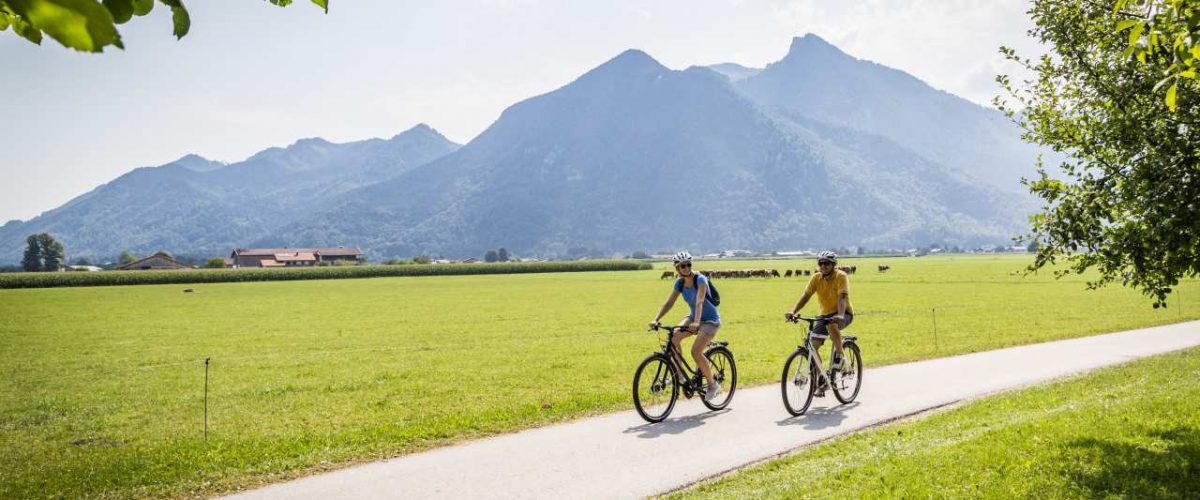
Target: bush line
<point>119,278</point>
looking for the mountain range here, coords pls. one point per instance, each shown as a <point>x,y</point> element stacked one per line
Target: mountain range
<point>819,149</point>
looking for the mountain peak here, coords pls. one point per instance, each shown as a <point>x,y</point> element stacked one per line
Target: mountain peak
<point>197,163</point>
<point>630,62</point>
<point>190,157</point>
<point>311,141</point>
<point>809,46</point>
<point>419,129</point>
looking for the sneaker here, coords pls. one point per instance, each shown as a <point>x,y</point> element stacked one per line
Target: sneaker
<point>838,362</point>
<point>713,391</point>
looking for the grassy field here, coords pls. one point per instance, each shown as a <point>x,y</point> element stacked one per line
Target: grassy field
<point>1131,431</point>
<point>101,389</point>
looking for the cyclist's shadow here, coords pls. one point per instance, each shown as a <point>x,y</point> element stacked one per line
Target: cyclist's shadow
<point>673,425</point>
<point>820,418</point>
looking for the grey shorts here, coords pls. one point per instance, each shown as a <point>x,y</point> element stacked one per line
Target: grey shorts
<point>706,327</point>
<point>821,332</point>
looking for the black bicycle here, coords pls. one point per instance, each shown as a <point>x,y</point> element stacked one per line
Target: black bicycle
<point>804,377</point>
<point>660,377</point>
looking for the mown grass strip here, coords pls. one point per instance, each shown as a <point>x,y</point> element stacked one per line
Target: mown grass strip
<point>116,278</point>
<point>1131,431</point>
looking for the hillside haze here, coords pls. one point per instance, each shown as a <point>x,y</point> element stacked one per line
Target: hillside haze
<point>633,155</point>
<point>816,150</point>
<point>195,206</point>
<point>819,81</point>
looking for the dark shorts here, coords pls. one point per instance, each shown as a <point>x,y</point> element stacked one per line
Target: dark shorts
<point>819,330</point>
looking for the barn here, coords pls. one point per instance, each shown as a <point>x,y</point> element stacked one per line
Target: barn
<point>292,257</point>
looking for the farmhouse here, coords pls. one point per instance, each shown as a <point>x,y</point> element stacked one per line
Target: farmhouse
<point>160,260</point>
<point>291,257</point>
<point>86,269</point>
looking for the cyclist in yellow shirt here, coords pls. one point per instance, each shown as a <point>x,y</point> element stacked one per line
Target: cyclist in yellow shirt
<point>832,288</point>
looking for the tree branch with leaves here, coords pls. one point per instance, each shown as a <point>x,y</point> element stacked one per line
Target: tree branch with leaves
<point>91,25</point>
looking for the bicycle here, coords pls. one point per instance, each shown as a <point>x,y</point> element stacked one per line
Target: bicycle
<point>804,376</point>
<point>656,384</point>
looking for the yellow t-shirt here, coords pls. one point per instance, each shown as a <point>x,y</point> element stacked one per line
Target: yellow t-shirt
<point>828,289</point>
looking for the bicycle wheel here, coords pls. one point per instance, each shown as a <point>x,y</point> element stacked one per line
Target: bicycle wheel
<point>798,382</point>
<point>655,389</point>
<point>847,381</point>
<point>725,373</point>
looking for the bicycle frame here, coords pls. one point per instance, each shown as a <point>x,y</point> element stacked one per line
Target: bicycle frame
<point>808,343</point>
<point>677,361</point>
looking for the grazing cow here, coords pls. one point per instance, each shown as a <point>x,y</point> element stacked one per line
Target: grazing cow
<point>667,274</point>
<point>775,273</point>
<point>788,274</point>
<point>808,272</point>
<point>884,267</point>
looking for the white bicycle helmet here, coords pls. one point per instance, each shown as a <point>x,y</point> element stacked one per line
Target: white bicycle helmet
<point>827,256</point>
<point>681,257</point>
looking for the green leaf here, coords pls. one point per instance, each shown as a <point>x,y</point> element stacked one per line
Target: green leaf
<point>121,10</point>
<point>24,30</point>
<point>1170,99</point>
<point>179,16</point>
<point>324,4</point>
<point>1136,33</point>
<point>4,22</point>
<point>83,25</point>
<point>142,7</point>
<point>1124,25</point>
<point>1162,82</point>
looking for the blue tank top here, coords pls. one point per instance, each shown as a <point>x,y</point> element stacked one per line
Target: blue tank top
<point>689,295</point>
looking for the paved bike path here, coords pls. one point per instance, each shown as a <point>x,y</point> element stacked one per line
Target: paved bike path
<point>621,456</point>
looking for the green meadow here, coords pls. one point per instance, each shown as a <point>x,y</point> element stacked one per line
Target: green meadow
<point>1130,431</point>
<point>102,388</point>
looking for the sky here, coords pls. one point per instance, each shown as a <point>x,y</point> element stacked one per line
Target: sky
<point>251,75</point>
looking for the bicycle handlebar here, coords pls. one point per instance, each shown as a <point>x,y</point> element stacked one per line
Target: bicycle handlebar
<point>810,320</point>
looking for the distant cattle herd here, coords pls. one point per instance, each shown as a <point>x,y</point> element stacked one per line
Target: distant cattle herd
<point>764,273</point>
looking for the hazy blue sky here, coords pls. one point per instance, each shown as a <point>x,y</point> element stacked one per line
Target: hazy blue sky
<point>251,75</point>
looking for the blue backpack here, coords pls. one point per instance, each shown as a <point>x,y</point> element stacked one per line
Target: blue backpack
<point>712,296</point>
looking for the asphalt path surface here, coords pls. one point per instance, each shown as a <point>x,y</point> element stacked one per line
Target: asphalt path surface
<point>621,456</point>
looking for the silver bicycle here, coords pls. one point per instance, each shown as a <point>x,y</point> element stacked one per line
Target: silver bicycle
<point>804,377</point>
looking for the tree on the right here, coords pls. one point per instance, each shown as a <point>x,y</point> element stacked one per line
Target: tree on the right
<point>1116,96</point>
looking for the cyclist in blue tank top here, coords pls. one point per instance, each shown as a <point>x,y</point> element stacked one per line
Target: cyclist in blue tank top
<point>694,288</point>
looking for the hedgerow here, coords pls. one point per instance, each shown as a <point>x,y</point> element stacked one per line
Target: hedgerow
<point>117,278</point>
